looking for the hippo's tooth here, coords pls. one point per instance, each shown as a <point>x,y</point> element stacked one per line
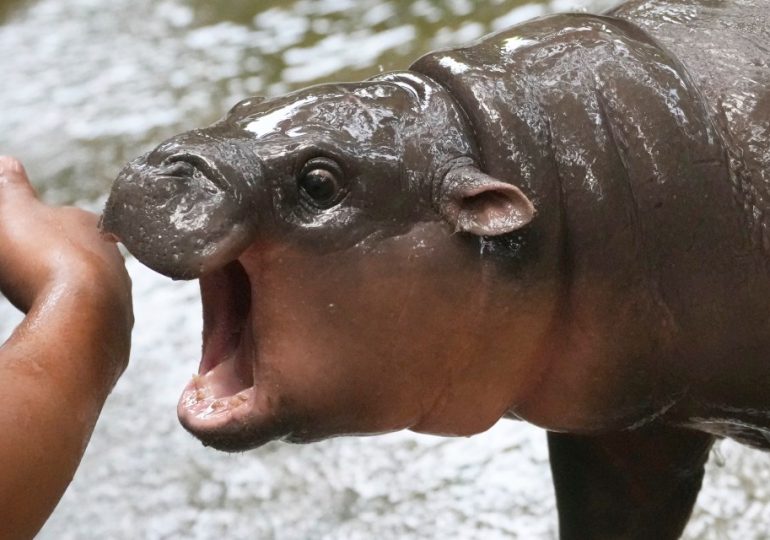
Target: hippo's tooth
<point>237,400</point>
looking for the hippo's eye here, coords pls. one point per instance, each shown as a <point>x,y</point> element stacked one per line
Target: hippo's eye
<point>320,182</point>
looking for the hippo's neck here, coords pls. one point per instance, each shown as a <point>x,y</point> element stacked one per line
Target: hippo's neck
<point>613,140</point>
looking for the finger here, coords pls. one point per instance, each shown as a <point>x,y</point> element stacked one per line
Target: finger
<point>18,200</point>
<point>19,268</point>
<point>13,179</point>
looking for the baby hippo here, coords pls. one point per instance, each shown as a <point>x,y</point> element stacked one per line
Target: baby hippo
<point>563,223</point>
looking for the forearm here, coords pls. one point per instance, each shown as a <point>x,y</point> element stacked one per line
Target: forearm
<point>56,370</point>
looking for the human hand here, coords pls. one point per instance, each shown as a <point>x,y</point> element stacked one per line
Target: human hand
<point>47,251</point>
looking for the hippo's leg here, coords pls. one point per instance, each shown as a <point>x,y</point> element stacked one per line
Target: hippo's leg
<point>639,484</point>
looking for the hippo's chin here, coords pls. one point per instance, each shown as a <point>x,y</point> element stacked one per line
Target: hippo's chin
<point>222,405</point>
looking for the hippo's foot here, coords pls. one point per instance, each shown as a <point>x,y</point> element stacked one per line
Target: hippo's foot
<point>638,484</point>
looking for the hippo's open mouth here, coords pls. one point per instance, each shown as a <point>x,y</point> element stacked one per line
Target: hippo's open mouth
<point>222,395</point>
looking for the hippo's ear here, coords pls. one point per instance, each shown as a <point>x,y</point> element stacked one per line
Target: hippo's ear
<point>479,204</point>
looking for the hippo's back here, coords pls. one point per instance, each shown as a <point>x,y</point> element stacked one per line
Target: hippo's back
<point>725,44</point>
<point>725,47</point>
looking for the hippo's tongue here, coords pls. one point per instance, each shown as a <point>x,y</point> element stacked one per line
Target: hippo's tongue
<point>224,385</point>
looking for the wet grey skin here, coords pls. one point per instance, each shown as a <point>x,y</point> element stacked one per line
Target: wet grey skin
<point>564,223</point>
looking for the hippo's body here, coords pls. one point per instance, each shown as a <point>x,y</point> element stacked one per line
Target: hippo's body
<point>565,223</point>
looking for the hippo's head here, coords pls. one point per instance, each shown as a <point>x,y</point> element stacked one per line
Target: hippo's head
<point>336,233</point>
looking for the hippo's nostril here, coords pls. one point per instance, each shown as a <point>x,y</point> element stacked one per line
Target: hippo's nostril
<point>187,164</point>
<point>177,168</point>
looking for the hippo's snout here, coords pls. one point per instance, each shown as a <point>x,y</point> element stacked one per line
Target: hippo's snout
<point>182,209</point>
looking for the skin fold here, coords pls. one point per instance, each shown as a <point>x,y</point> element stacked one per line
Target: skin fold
<point>61,362</point>
<point>562,223</point>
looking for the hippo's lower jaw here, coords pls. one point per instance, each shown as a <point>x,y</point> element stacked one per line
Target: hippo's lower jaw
<point>221,405</point>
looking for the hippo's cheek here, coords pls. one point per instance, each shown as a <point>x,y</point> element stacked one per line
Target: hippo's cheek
<point>282,360</point>
<point>303,345</point>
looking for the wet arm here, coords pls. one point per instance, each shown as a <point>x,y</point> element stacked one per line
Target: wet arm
<point>61,362</point>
